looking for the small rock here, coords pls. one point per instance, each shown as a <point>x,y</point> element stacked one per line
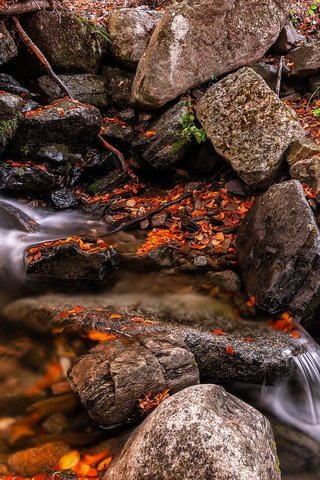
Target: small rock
<point>305,60</point>
<point>307,171</point>
<point>106,183</point>
<point>9,84</point>
<point>10,117</point>
<point>301,149</point>
<point>119,84</point>
<point>130,30</point>
<point>56,423</point>
<point>200,261</point>
<point>28,463</point>
<point>287,40</point>
<point>227,281</point>
<point>8,48</point>
<point>86,88</point>
<point>57,154</point>
<point>236,187</point>
<point>63,198</point>
<point>25,178</point>
<point>163,146</point>
<point>73,124</point>
<point>12,218</point>
<point>201,432</point>
<point>248,125</point>
<point>127,115</point>
<point>280,237</point>
<point>117,131</point>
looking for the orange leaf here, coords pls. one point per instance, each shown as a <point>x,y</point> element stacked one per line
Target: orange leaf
<point>104,464</point>
<point>69,460</point>
<point>91,458</point>
<point>219,332</point>
<point>230,350</point>
<point>251,302</point>
<point>100,336</point>
<point>248,339</point>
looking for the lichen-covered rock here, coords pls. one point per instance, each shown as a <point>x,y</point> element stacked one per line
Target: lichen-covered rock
<point>8,48</point>
<point>202,432</point>
<point>130,30</point>
<point>302,149</point>
<point>268,72</point>
<point>278,246</point>
<point>248,125</point>
<point>165,146</point>
<point>84,87</point>
<point>65,122</point>
<point>305,60</point>
<point>197,39</point>
<point>10,117</point>
<point>119,84</point>
<point>287,40</point>
<point>307,171</point>
<point>70,43</point>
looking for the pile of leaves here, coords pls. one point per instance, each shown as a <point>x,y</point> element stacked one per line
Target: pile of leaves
<point>306,108</point>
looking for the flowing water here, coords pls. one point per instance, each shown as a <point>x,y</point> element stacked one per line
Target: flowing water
<point>294,401</point>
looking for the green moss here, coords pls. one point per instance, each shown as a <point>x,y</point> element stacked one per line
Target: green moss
<point>8,128</point>
<point>277,461</point>
<point>177,146</point>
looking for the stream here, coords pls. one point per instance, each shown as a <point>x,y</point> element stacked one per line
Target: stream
<point>294,403</point>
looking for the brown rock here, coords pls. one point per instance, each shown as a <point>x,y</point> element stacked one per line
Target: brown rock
<point>28,463</point>
<point>301,149</point>
<point>307,171</point>
<point>305,60</point>
<point>8,48</point>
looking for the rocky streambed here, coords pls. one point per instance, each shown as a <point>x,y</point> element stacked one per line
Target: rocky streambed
<point>160,242</point>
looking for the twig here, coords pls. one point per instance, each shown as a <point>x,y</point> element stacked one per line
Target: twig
<point>149,214</point>
<point>25,7</point>
<point>278,84</point>
<point>42,59</point>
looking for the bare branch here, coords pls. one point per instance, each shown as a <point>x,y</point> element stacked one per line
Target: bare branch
<point>25,7</point>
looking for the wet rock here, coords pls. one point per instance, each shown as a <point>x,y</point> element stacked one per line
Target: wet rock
<point>72,259</point>
<point>280,237</point>
<point>227,281</point>
<point>57,154</point>
<point>12,218</point>
<point>248,126</point>
<point>287,40</point>
<point>71,44</point>
<point>9,84</point>
<point>165,146</point>
<point>130,30</point>
<point>301,149</point>
<point>119,84</point>
<point>63,198</point>
<point>305,60</point>
<point>117,130</point>
<point>64,122</point>
<point>314,83</point>
<point>30,462</point>
<point>97,164</point>
<point>8,48</point>
<point>268,72</point>
<point>25,178</point>
<point>186,49</point>
<point>107,183</point>
<point>86,88</point>
<point>307,171</point>
<point>10,117</point>
<point>202,432</point>
<point>111,378</point>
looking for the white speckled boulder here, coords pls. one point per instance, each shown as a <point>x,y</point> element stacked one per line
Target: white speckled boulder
<point>200,433</point>
<point>198,39</point>
<point>248,126</point>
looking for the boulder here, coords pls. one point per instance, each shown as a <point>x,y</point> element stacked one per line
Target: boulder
<point>8,48</point>
<point>72,259</point>
<point>84,87</point>
<point>268,72</point>
<point>25,177</point>
<point>70,43</point>
<point>119,84</point>
<point>196,39</point>
<point>307,171</point>
<point>287,40</point>
<point>10,84</point>
<point>202,432</point>
<point>13,218</point>
<point>73,124</point>
<point>280,238</point>
<point>301,149</point>
<point>162,146</point>
<point>130,30</point>
<point>305,60</point>
<point>10,117</point>
<point>248,126</point>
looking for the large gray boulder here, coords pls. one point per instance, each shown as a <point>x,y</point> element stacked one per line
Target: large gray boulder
<point>85,87</point>
<point>202,432</point>
<point>198,39</point>
<point>65,122</point>
<point>130,30</point>
<point>305,60</point>
<point>248,125</point>
<point>287,40</point>
<point>8,48</point>
<point>278,246</point>
<point>10,117</point>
